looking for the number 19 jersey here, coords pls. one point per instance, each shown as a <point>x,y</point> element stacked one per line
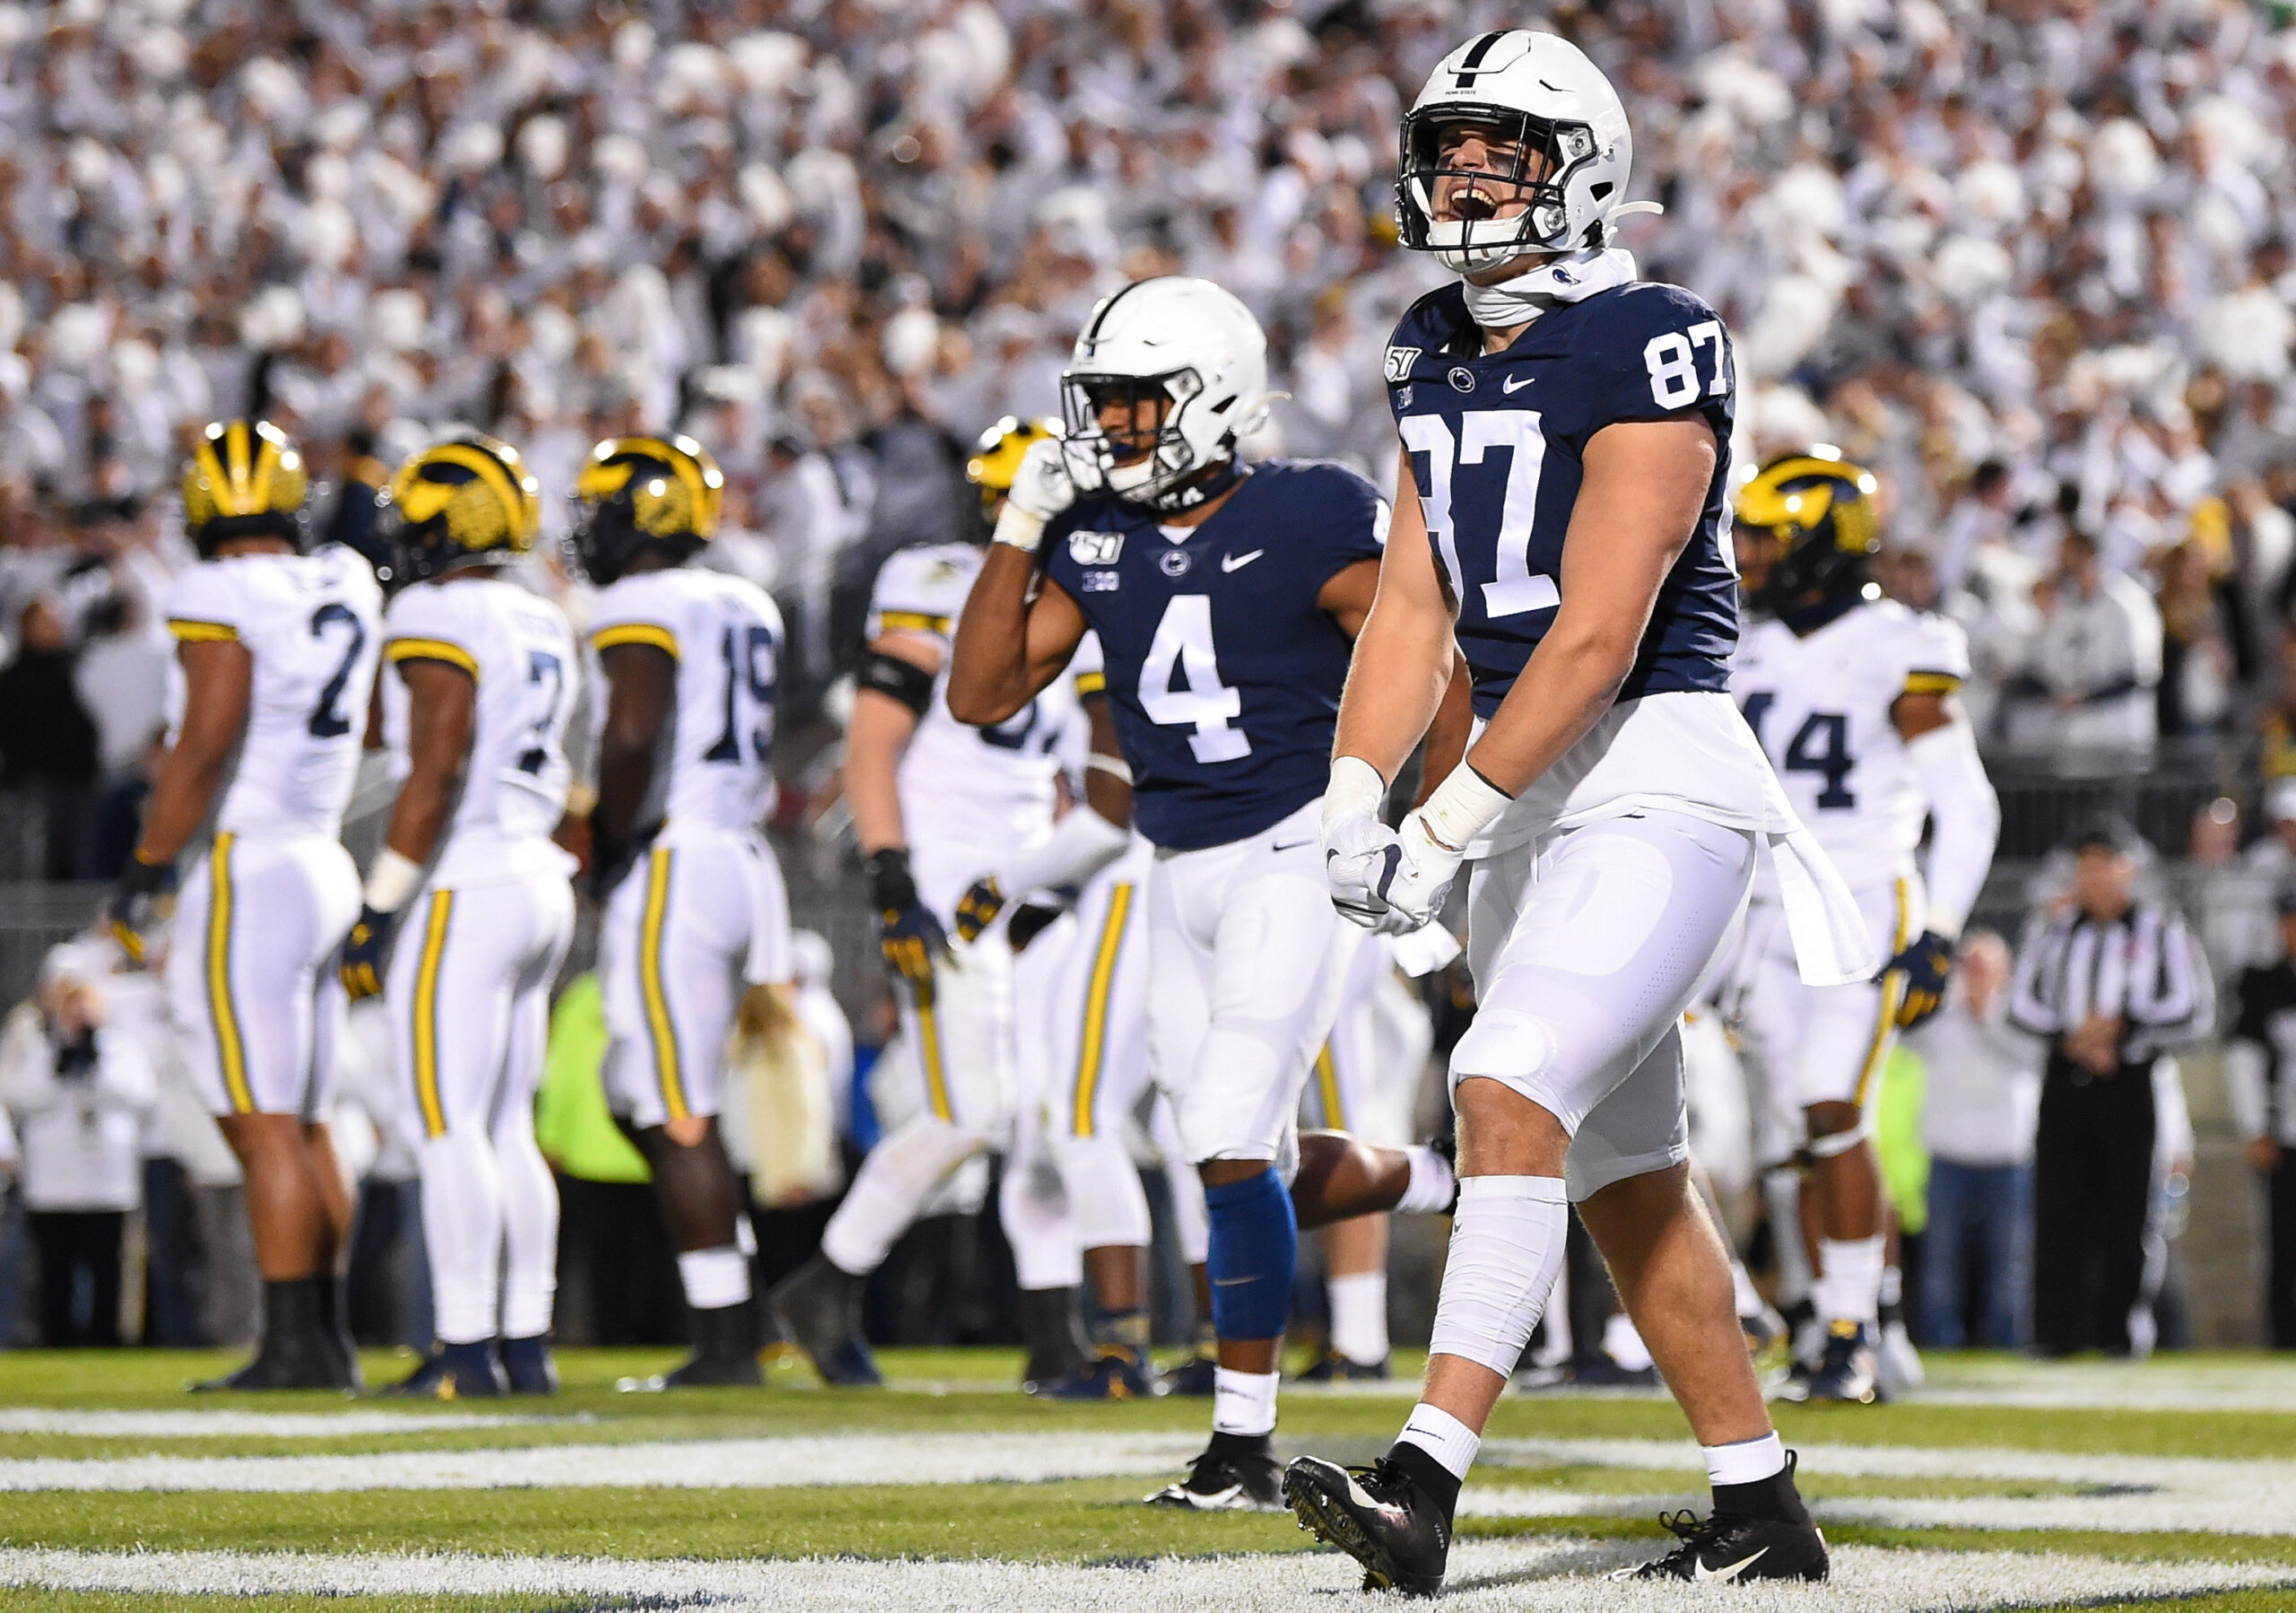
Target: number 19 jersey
<point>520,651</point>
<point>724,634</point>
<point>1821,706</point>
<point>313,626</point>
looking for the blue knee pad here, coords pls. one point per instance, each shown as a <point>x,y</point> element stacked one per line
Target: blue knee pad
<point>1255,1251</point>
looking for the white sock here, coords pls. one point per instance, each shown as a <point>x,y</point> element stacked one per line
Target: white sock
<point>896,1178</point>
<point>1243,1402</point>
<point>1849,1279</point>
<point>1781,1190</point>
<point>1359,1316</point>
<point>462,1228</point>
<point>1744,1294</point>
<point>1443,1437</point>
<point>1624,1343</point>
<point>714,1278</point>
<point>1506,1247</point>
<point>1746,1461</point>
<point>1432,1185</point>
<point>529,1228</point>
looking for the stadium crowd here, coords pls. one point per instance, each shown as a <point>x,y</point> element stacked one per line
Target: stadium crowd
<point>2030,263</point>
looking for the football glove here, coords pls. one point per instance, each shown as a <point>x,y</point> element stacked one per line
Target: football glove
<point>978,907</point>
<point>134,904</point>
<point>1030,920</point>
<point>1925,966</point>
<point>365,951</point>
<point>1041,489</point>
<point>1390,881</point>
<point>908,934</point>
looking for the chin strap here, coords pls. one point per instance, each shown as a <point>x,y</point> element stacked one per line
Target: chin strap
<point>1567,279</point>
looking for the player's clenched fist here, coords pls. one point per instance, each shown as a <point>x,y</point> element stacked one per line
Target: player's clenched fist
<point>1041,489</point>
<point>908,934</point>
<point>364,953</point>
<point>1925,966</point>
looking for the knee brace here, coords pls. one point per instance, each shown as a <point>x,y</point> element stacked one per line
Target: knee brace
<point>1255,1251</point>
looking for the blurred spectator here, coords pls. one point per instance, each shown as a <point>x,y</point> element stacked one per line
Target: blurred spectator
<point>47,751</point>
<point>1982,1103</point>
<point>2260,1075</point>
<point>2197,667</point>
<point>2109,983</point>
<point>2097,662</point>
<point>78,1086</point>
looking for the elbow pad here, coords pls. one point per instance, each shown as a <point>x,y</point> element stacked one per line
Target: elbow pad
<point>1968,821</point>
<point>1081,844</point>
<point>897,679</point>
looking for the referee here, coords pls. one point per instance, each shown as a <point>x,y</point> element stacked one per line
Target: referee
<point>2260,1070</point>
<point>2110,983</point>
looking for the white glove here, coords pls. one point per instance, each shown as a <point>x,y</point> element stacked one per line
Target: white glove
<point>1393,880</point>
<point>1360,854</point>
<point>1041,489</point>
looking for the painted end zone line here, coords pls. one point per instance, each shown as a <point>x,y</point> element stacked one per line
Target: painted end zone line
<point>1567,1575</point>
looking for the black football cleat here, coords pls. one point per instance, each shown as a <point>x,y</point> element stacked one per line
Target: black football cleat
<point>1850,1371</point>
<point>724,1355</point>
<point>817,1308</point>
<point>1332,1367</point>
<point>1730,1546</point>
<point>1235,1473</point>
<point>1378,1515</point>
<point>1197,1375</point>
<point>455,1371</point>
<point>300,1348</point>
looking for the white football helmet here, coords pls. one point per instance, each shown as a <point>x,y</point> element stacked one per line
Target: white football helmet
<point>1180,339</point>
<point>1539,93</point>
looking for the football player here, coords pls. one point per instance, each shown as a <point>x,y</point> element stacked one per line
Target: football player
<point>1224,598</point>
<point>1562,520</point>
<point>1852,697</point>
<point>934,802</point>
<point>476,722</point>
<point>277,651</point>
<point>695,915</point>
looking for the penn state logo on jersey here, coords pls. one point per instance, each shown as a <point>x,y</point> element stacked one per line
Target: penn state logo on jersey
<point>1496,444</point>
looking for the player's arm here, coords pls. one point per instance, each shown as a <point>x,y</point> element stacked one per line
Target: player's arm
<point>219,683</point>
<point>1404,650</point>
<point>1967,818</point>
<point>1009,646</point>
<point>1085,840</point>
<point>442,714</point>
<point>1447,735</point>
<point>642,692</point>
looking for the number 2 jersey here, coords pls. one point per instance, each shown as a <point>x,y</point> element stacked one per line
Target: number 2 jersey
<point>1820,705</point>
<point>969,797</point>
<point>313,626</point>
<point>724,634</point>
<point>1223,672</point>
<point>518,651</point>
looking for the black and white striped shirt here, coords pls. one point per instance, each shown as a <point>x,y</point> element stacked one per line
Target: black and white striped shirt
<point>2143,968</point>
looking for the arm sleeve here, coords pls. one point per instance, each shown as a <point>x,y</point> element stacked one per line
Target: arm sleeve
<point>1968,821</point>
<point>2032,1008</point>
<point>1081,844</point>
<point>1666,356</point>
<point>918,591</point>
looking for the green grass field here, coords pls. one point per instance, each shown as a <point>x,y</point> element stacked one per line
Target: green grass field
<point>2003,1485</point>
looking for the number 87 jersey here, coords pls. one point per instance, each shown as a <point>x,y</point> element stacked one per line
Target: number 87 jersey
<point>724,634</point>
<point>1496,444</point>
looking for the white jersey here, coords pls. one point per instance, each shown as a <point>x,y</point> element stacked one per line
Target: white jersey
<point>967,795</point>
<point>725,635</point>
<point>519,650</point>
<point>1821,706</point>
<point>313,625</point>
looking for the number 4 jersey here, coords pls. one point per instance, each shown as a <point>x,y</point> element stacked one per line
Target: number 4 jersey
<point>1223,671</point>
<point>313,626</point>
<point>724,634</point>
<point>518,651</point>
<point>1821,707</point>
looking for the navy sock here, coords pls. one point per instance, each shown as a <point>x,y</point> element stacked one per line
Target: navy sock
<point>1255,1251</point>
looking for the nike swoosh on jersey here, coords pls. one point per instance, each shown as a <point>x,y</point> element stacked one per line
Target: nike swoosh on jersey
<point>1237,563</point>
<point>1734,1570</point>
<point>1516,383</point>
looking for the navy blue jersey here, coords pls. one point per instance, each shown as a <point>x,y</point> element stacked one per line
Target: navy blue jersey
<point>1495,449</point>
<point>1224,673</point>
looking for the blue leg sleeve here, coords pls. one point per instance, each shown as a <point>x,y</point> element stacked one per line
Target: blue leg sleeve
<point>1254,1250</point>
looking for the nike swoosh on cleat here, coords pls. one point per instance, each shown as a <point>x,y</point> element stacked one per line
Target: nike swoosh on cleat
<point>1358,1493</point>
<point>1733,1571</point>
<point>1237,563</point>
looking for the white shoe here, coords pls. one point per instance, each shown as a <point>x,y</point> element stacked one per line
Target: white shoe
<point>1900,1363</point>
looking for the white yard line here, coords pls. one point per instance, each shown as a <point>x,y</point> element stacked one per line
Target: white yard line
<point>241,1424</point>
<point>1492,1575</point>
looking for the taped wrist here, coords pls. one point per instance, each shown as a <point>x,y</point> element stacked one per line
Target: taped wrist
<point>1355,790</point>
<point>1462,807</point>
<point>892,887</point>
<point>897,679</point>
<point>392,881</point>
<point>1016,527</point>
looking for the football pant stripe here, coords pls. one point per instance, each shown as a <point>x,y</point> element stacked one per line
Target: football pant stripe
<point>928,1054</point>
<point>1892,995</point>
<point>426,1014</point>
<point>1091,1049</point>
<point>230,1053</point>
<point>1327,1086</point>
<point>667,1071</point>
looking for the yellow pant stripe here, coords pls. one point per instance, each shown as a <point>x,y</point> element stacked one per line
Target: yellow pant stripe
<point>928,1054</point>
<point>230,1053</point>
<point>1092,1050</point>
<point>1327,1086</point>
<point>426,1014</point>
<point>1892,995</point>
<point>658,1023</point>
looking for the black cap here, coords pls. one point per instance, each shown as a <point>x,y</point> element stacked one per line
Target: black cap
<point>2109,831</point>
